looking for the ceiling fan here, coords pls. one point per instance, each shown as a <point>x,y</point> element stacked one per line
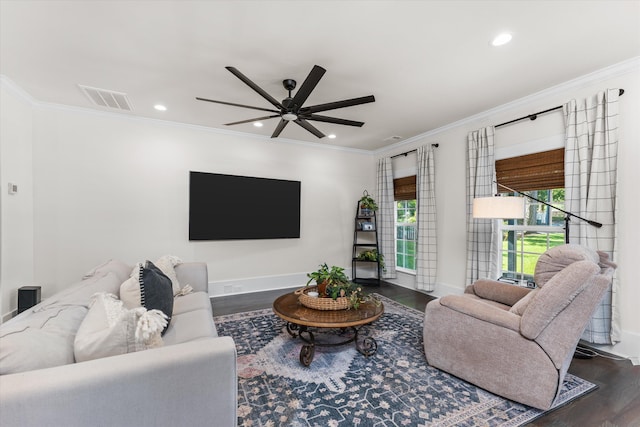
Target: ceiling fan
<point>291,109</point>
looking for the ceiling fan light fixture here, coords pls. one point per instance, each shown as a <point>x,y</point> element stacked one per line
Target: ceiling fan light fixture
<point>289,116</point>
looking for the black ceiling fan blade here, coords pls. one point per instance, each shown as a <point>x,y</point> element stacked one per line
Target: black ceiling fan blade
<point>279,128</point>
<point>237,105</point>
<point>255,87</point>
<point>338,104</point>
<point>334,120</point>
<point>306,125</point>
<point>252,120</point>
<point>308,85</point>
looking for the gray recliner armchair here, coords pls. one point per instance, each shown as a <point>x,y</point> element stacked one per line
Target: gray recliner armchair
<point>516,342</point>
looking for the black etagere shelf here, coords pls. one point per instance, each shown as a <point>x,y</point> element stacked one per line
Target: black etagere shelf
<point>365,239</point>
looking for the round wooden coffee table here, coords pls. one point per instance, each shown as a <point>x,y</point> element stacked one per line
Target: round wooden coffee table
<point>300,319</point>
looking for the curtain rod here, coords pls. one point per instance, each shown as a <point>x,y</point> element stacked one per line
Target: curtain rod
<point>535,115</point>
<point>411,151</point>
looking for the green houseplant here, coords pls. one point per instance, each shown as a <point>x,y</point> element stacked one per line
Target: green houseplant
<point>333,283</point>
<point>367,202</point>
<point>326,277</point>
<point>372,255</point>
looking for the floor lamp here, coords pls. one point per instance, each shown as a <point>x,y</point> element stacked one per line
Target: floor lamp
<point>567,215</point>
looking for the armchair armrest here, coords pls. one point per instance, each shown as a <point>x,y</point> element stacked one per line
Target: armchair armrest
<point>482,311</point>
<point>194,274</point>
<point>501,292</point>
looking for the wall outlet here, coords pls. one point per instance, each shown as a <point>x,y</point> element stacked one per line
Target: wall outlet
<point>227,289</point>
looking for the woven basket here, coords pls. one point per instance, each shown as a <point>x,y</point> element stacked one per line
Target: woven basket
<point>318,303</point>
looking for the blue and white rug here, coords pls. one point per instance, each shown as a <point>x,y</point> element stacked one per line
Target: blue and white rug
<point>341,387</point>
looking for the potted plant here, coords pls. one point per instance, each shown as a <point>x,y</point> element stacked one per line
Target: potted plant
<point>333,283</point>
<point>367,204</point>
<point>372,255</point>
<point>326,277</point>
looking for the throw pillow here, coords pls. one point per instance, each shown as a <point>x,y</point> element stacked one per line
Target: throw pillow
<point>110,329</point>
<point>167,265</point>
<point>148,287</point>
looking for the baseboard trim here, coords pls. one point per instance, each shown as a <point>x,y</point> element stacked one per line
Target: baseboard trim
<point>440,289</point>
<point>10,315</point>
<point>628,347</point>
<point>223,288</point>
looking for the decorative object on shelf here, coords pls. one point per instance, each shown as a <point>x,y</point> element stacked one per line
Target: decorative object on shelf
<point>371,255</point>
<point>335,290</point>
<point>367,204</point>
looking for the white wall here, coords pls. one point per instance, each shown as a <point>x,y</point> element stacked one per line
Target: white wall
<point>112,186</point>
<point>16,211</point>
<point>530,136</point>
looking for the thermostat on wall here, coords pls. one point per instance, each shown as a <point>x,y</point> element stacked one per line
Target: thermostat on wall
<point>13,188</point>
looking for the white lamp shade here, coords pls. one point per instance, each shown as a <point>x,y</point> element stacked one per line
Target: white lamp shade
<point>505,207</point>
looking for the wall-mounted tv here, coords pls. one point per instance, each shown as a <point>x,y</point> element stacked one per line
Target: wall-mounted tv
<point>230,207</point>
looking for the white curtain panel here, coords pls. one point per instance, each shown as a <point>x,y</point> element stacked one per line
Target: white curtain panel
<point>426,254</point>
<point>591,151</point>
<point>483,235</point>
<point>386,217</point>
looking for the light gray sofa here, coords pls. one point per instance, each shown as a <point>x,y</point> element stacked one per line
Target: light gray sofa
<point>190,380</point>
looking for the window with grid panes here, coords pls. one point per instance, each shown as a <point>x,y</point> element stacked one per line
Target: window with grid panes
<point>540,175</point>
<point>405,222</point>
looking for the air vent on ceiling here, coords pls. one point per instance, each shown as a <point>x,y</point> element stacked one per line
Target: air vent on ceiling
<point>107,98</point>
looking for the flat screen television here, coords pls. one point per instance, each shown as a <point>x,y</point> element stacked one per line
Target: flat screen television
<point>230,207</point>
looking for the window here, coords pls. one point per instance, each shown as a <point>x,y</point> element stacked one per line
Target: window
<point>406,234</point>
<point>524,240</point>
<point>540,175</point>
<point>404,192</point>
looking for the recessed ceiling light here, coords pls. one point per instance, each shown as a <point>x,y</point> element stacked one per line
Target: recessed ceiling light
<point>160,107</point>
<point>501,39</point>
<point>331,136</point>
<point>257,124</point>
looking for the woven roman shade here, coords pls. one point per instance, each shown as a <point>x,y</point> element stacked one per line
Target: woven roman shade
<point>404,188</point>
<point>538,171</point>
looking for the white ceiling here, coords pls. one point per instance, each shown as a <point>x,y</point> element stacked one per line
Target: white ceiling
<point>428,63</point>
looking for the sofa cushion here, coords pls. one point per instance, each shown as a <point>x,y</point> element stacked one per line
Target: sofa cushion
<point>80,292</point>
<point>191,302</point>
<point>41,339</point>
<point>119,268</point>
<point>110,329</point>
<point>148,287</point>
<point>190,326</point>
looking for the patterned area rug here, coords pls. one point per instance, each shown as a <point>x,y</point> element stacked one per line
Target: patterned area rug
<point>341,387</point>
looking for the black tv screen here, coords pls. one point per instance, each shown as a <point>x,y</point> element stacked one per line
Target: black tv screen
<point>230,207</point>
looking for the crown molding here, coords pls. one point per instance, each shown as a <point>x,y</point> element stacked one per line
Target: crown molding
<point>25,96</point>
<point>612,71</point>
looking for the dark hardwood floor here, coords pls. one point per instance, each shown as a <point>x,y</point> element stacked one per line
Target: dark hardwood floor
<point>616,403</point>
